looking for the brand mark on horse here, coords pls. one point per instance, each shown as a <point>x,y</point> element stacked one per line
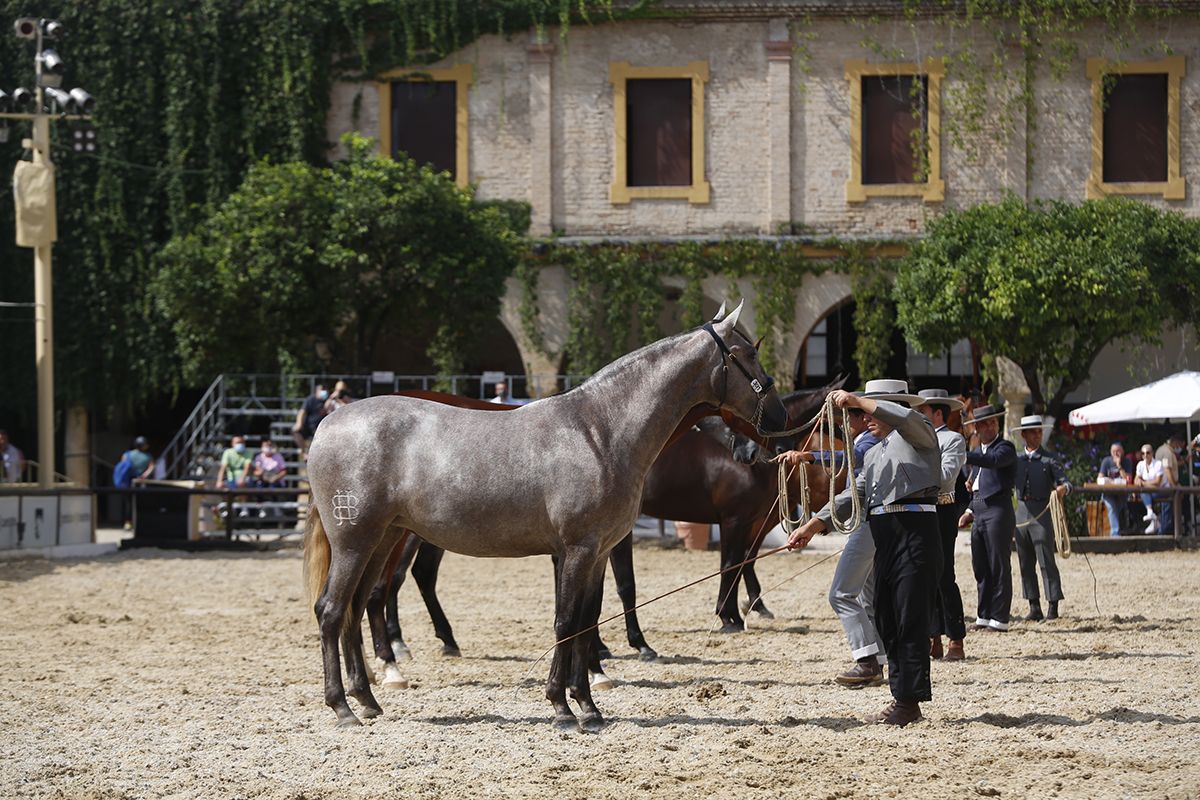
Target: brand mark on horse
<point>345,507</point>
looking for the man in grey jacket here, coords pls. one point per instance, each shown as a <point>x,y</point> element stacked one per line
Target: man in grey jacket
<point>948,608</point>
<point>1038,474</point>
<point>898,488</point>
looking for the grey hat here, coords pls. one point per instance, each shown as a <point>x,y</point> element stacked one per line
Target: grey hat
<point>986,412</point>
<point>940,397</point>
<point>1032,422</point>
<point>890,389</point>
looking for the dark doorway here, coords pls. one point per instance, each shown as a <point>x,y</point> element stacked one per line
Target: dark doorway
<point>828,351</point>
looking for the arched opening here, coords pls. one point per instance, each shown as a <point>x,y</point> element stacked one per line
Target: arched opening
<point>828,351</point>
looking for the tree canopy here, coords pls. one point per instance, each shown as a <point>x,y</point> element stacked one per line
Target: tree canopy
<point>302,257</point>
<point>1048,285</point>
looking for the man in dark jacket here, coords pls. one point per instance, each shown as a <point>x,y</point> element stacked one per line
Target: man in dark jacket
<point>990,478</point>
<point>1038,474</point>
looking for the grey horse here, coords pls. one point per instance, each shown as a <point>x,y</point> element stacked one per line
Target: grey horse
<point>562,476</point>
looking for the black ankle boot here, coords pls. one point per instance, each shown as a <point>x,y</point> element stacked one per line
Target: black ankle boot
<point>1052,613</point>
<point>1035,612</point>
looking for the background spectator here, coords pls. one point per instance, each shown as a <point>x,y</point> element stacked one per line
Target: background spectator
<point>135,466</point>
<point>1114,468</point>
<point>341,396</point>
<point>12,460</point>
<point>308,418</point>
<point>1169,455</point>
<point>1150,474</point>
<point>501,393</point>
<point>269,470</point>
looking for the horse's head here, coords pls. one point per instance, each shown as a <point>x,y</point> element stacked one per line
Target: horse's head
<point>738,381</point>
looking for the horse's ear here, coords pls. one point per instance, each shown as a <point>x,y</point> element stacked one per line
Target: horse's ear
<point>732,320</point>
<point>720,313</point>
<point>758,344</point>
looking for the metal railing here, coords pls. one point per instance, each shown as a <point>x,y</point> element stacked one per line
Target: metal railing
<point>202,426</point>
<point>233,396</point>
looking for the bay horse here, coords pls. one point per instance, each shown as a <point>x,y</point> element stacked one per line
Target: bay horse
<point>695,478</point>
<point>562,476</point>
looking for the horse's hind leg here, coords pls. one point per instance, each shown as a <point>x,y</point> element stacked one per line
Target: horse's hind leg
<point>750,576</point>
<point>733,545</point>
<point>587,581</point>
<point>376,602</point>
<point>621,559</point>
<point>332,610</point>
<point>425,573</point>
<point>407,551</point>
<point>352,642</point>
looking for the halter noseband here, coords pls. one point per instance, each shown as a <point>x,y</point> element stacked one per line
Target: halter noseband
<point>727,357</point>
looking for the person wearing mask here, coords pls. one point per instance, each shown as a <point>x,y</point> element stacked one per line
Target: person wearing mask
<point>234,470</point>
<point>898,489</point>
<point>308,418</point>
<point>852,592</point>
<point>991,475</point>
<point>948,608</point>
<point>1150,475</point>
<point>269,470</point>
<point>1114,469</point>
<point>1039,473</point>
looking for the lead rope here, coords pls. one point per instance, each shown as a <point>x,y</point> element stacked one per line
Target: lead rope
<point>825,431</point>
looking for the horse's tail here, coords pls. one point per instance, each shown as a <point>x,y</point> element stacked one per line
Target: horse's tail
<point>316,556</point>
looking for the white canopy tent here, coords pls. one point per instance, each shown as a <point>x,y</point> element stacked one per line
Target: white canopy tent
<point>1175,398</point>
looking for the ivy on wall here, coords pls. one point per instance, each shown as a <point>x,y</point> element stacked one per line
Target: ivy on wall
<point>619,291</point>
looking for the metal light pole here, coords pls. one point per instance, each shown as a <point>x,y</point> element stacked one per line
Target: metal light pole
<point>49,78</point>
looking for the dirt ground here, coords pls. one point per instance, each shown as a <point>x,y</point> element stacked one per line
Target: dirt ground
<point>161,674</point>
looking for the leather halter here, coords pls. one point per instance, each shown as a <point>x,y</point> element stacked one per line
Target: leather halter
<point>727,357</point>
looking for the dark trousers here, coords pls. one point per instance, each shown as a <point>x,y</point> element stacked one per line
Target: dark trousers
<point>1035,548</point>
<point>991,549</point>
<point>947,616</point>
<point>908,555</point>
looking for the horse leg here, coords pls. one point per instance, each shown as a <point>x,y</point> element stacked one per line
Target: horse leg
<point>598,681</point>
<point>733,545</point>
<point>556,687</point>
<point>332,609</point>
<point>621,559</point>
<point>376,602</point>
<point>750,576</point>
<point>395,637</point>
<point>425,573</point>
<point>586,582</point>
<point>352,642</point>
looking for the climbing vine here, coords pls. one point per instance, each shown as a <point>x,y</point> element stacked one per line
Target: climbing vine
<point>619,291</point>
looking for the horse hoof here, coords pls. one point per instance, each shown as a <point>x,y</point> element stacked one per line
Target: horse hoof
<point>604,654</point>
<point>348,720</point>
<point>591,723</point>
<point>392,678</point>
<point>370,712</point>
<point>647,654</point>
<point>601,682</point>
<point>450,651</point>
<point>764,612</point>
<point>565,722</point>
<point>400,651</point>
<point>733,627</point>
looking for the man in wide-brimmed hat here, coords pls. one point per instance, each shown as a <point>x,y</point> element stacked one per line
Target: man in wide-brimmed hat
<point>852,591</point>
<point>1038,474</point>
<point>991,475</point>
<point>948,608</point>
<point>898,487</point>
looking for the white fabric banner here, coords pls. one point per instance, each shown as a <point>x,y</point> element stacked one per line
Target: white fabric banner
<point>33,189</point>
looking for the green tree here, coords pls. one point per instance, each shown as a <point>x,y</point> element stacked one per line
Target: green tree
<point>301,256</point>
<point>1049,285</point>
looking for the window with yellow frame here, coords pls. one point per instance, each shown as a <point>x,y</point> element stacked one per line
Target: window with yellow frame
<point>424,112</point>
<point>658,137</point>
<point>1135,128</point>
<point>895,130</point>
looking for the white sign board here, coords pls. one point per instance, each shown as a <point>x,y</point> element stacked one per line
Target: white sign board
<point>383,376</point>
<point>75,519</point>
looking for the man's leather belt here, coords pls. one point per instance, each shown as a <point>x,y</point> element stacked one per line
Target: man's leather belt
<point>945,499</point>
<point>896,508</point>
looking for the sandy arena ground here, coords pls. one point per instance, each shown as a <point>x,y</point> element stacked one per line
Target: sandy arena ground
<point>160,674</point>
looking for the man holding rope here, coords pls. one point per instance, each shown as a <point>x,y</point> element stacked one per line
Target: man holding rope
<point>852,593</point>
<point>898,487</point>
<point>1038,474</point>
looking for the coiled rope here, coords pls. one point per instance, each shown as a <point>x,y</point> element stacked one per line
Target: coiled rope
<point>1058,520</point>
<point>825,432</point>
